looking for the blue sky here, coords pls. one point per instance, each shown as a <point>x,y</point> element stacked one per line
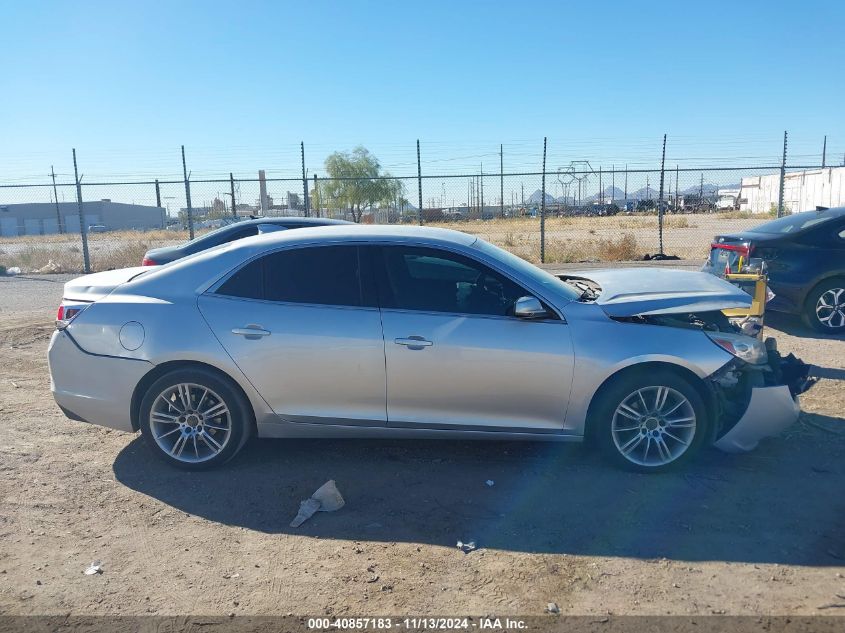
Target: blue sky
<point>240,84</point>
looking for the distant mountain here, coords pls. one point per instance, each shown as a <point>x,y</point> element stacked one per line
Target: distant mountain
<point>609,193</point>
<point>537,197</point>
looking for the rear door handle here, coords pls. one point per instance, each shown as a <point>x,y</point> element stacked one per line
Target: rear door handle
<point>413,342</point>
<point>251,331</point>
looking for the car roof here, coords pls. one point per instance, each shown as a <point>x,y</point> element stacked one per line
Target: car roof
<point>356,232</point>
<point>291,219</point>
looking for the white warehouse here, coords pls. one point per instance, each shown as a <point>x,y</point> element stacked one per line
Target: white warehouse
<point>42,218</point>
<point>802,190</point>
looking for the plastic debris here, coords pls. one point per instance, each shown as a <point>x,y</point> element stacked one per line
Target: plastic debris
<point>50,267</point>
<point>326,498</point>
<point>490,483</point>
<point>13,270</point>
<point>94,568</point>
<point>552,608</point>
<point>467,547</point>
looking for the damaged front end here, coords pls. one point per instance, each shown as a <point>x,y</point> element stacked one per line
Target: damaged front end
<point>756,394</point>
<point>757,401</point>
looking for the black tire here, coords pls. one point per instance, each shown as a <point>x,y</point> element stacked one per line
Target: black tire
<point>625,386</point>
<point>201,433</point>
<point>812,318</point>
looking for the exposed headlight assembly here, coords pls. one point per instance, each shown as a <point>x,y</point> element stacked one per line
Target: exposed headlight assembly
<point>743,347</point>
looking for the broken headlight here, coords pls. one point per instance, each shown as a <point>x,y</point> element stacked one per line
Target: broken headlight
<point>743,347</point>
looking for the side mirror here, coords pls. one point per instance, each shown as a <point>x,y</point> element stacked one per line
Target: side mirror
<point>529,308</point>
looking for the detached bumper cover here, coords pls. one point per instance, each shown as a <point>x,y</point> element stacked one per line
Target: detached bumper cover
<point>92,388</point>
<point>770,411</point>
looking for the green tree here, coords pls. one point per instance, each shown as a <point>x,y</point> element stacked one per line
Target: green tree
<point>356,182</point>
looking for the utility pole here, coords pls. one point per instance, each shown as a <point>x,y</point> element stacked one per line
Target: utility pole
<point>782,177</point>
<point>304,179</point>
<point>543,209</point>
<point>59,227</point>
<point>601,193</point>
<point>232,193</point>
<point>419,182</point>
<point>677,198</point>
<point>481,192</point>
<point>613,184</point>
<point>626,187</point>
<point>83,230</point>
<point>188,196</point>
<point>824,151</point>
<point>660,199</point>
<point>501,181</point>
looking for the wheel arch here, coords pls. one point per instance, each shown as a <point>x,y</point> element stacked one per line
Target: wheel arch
<point>160,370</point>
<point>699,384</point>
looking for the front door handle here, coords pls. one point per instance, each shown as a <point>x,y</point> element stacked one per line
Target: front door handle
<point>251,331</point>
<point>413,342</point>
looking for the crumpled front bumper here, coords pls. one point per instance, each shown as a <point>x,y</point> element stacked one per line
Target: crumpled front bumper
<point>770,411</point>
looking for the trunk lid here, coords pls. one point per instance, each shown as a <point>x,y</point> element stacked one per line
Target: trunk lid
<point>725,251</point>
<point>92,287</point>
<point>628,292</point>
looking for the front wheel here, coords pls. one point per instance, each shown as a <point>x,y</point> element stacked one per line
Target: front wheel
<point>650,422</point>
<point>194,419</point>
<point>824,310</point>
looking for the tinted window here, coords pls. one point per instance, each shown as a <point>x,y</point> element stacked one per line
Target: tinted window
<point>328,275</point>
<point>432,280</point>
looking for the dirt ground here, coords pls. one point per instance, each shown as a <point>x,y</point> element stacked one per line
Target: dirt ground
<point>760,533</point>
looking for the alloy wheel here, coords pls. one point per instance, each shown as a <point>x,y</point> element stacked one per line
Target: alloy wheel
<point>653,426</point>
<point>190,422</point>
<point>830,308</point>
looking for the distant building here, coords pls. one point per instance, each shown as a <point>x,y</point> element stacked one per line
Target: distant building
<point>40,218</point>
<point>802,190</point>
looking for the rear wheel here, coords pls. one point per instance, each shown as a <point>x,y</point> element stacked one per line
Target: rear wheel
<point>824,310</point>
<point>650,422</point>
<point>194,419</point>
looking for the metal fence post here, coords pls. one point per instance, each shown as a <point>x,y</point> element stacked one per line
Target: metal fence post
<point>782,177</point>
<point>304,179</point>
<point>660,199</point>
<point>232,193</point>
<point>83,230</point>
<point>59,226</point>
<point>419,182</point>
<point>543,210</point>
<point>501,182</point>
<point>188,196</point>
<point>317,196</point>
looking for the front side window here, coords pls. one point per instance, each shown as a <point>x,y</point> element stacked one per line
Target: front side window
<point>431,280</point>
<point>325,275</point>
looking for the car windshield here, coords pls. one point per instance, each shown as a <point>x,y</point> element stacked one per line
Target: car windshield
<point>793,223</point>
<point>538,275</point>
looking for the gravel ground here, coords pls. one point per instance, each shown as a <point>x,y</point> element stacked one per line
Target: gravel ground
<point>761,533</point>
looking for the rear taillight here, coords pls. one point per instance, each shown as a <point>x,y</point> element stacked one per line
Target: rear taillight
<point>68,311</point>
<point>743,249</point>
<point>148,262</point>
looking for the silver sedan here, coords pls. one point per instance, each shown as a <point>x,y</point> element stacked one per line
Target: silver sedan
<point>415,333</point>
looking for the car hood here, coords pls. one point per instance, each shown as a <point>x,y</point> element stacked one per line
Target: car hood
<point>626,292</point>
<point>98,285</point>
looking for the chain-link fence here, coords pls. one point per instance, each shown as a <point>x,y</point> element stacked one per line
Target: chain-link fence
<point>572,214</point>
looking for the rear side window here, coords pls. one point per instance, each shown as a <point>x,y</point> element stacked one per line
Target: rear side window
<point>327,275</point>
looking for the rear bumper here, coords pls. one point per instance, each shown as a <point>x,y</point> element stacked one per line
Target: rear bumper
<point>92,388</point>
<point>770,411</point>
